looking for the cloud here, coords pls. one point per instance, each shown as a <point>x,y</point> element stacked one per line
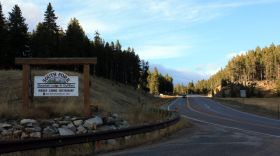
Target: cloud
<point>193,11</point>
<point>112,16</point>
<point>234,54</point>
<point>154,52</point>
<point>207,69</point>
<point>30,11</point>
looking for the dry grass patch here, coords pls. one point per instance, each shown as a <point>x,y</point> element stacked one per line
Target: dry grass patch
<point>261,106</point>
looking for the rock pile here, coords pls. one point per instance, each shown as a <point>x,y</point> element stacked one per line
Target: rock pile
<point>67,125</point>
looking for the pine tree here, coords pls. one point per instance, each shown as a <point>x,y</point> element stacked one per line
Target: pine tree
<point>75,39</point>
<point>97,39</point>
<point>144,75</point>
<point>3,40</point>
<point>190,88</point>
<point>50,19</point>
<point>118,46</point>
<point>45,40</point>
<point>18,36</point>
<point>154,82</point>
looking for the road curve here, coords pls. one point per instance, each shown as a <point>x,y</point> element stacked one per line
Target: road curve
<point>203,109</point>
<point>217,130</point>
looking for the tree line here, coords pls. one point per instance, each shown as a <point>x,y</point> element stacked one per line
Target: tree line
<point>157,83</point>
<point>50,40</point>
<point>255,65</point>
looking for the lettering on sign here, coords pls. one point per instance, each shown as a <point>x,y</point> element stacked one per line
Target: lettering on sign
<point>56,84</point>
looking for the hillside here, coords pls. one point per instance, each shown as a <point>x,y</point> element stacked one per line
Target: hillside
<point>253,89</point>
<point>106,96</point>
<point>259,67</point>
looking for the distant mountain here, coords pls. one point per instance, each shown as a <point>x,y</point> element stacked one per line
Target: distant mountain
<point>178,75</point>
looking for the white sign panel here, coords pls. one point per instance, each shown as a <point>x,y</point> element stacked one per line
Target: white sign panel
<point>56,84</point>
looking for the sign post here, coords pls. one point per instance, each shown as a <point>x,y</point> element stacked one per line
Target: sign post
<point>25,86</point>
<point>86,89</point>
<point>62,82</point>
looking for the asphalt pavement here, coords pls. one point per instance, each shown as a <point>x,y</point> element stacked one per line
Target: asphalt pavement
<point>217,130</point>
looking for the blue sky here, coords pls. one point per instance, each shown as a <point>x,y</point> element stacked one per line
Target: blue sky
<point>189,39</point>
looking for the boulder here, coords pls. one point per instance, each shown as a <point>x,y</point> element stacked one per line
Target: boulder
<point>109,120</point>
<point>123,124</point>
<point>93,122</point>
<point>24,135</point>
<point>5,125</point>
<point>78,122</point>
<point>28,121</point>
<point>63,122</point>
<point>74,118</point>
<point>8,132</point>
<point>35,135</point>
<point>114,115</point>
<point>33,129</point>
<point>50,130</point>
<point>17,133</point>
<point>55,125</point>
<point>81,130</point>
<point>65,131</point>
<point>18,127</point>
<point>71,126</point>
<point>67,118</point>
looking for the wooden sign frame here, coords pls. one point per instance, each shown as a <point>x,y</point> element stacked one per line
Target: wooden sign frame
<point>26,62</point>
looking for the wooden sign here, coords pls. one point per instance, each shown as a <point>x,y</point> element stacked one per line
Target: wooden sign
<point>26,62</point>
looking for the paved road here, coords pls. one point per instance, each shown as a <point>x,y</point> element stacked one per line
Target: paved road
<point>204,109</point>
<point>218,130</point>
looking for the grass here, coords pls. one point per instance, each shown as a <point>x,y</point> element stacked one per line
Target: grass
<point>261,106</point>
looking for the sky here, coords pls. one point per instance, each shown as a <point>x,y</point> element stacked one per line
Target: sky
<point>188,39</point>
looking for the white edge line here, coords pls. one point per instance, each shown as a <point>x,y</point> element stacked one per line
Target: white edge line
<point>240,129</point>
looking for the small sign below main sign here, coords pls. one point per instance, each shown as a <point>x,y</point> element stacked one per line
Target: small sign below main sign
<point>243,93</point>
<point>56,84</point>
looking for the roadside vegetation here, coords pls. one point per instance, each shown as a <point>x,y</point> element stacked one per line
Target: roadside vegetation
<point>261,106</point>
